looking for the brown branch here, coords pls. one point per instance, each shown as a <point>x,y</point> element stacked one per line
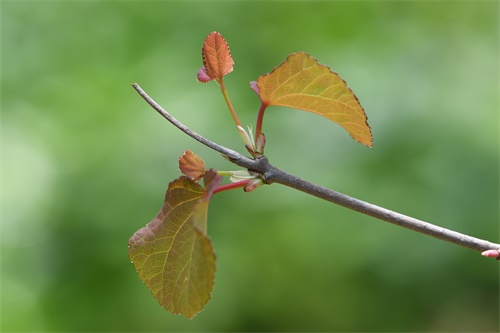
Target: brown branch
<point>270,174</point>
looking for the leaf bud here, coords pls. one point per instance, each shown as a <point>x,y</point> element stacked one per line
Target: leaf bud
<point>252,185</point>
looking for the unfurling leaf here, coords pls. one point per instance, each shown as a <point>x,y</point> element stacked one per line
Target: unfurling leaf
<point>217,59</point>
<point>301,82</point>
<point>172,254</point>
<point>192,165</point>
<point>202,75</point>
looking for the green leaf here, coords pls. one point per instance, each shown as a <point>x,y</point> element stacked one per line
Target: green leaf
<point>301,82</point>
<point>172,254</point>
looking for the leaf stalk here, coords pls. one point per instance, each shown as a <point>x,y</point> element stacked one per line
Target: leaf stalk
<point>232,186</point>
<point>260,120</point>
<point>228,101</point>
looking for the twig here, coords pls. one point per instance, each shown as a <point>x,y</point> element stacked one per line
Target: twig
<point>231,154</point>
<point>271,174</point>
<point>281,177</point>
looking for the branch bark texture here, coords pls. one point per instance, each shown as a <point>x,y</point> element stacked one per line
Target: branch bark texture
<point>271,174</point>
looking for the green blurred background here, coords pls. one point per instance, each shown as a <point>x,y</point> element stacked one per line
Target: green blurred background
<point>86,163</point>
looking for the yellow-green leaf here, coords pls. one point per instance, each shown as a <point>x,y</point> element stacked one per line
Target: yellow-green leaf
<point>301,82</point>
<point>172,254</point>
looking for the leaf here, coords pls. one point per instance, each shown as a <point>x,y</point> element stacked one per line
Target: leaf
<point>301,82</point>
<point>217,58</point>
<point>192,165</point>
<point>172,254</point>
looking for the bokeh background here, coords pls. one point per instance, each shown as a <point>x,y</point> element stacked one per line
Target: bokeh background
<point>86,163</point>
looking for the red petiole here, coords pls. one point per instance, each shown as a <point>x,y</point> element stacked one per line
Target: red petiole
<point>260,120</point>
<point>232,186</point>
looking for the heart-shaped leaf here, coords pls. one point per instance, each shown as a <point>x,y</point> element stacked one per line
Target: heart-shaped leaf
<point>172,254</point>
<point>301,82</point>
<point>192,165</point>
<point>217,58</point>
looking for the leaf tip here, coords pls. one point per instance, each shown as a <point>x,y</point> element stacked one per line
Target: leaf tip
<point>369,141</point>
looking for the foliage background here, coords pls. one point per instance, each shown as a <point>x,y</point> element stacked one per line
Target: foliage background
<point>86,163</point>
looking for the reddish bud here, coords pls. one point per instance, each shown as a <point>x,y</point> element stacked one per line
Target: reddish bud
<point>203,76</point>
<point>491,253</point>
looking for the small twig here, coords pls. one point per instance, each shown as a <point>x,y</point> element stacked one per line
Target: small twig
<point>271,174</point>
<point>231,154</point>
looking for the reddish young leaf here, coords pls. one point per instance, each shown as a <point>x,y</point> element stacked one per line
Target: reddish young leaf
<point>301,82</point>
<point>172,254</point>
<point>217,59</point>
<point>192,165</point>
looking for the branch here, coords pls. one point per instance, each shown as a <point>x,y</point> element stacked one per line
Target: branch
<point>231,154</point>
<point>270,174</point>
